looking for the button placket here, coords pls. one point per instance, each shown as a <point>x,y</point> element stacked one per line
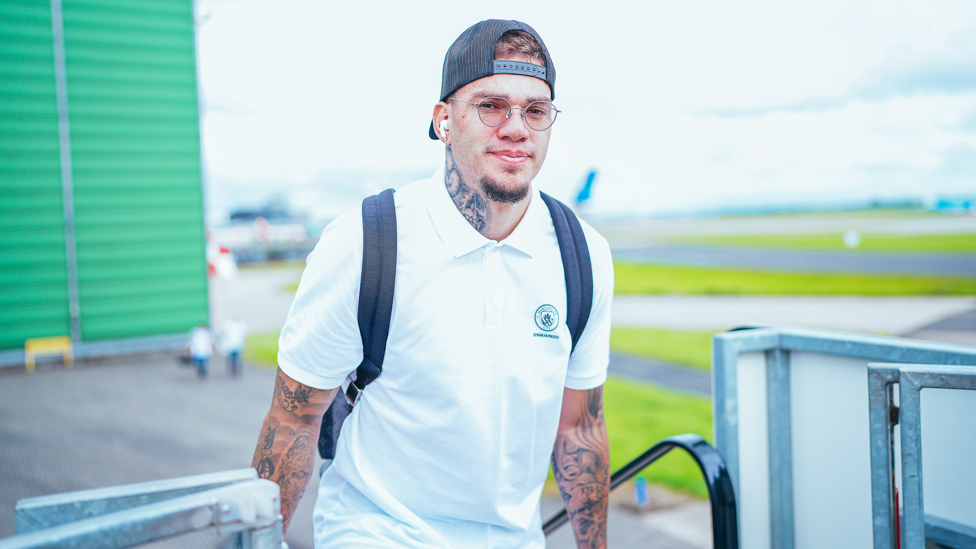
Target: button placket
<point>493,297</point>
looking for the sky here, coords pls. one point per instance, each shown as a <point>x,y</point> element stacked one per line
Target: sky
<point>679,106</point>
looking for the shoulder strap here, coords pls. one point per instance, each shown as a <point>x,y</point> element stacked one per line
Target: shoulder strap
<point>576,265</point>
<point>376,286</point>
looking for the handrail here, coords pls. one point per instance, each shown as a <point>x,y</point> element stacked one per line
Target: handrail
<point>725,524</point>
<point>235,502</point>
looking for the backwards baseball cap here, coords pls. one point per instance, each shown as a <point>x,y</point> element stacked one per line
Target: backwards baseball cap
<point>472,57</point>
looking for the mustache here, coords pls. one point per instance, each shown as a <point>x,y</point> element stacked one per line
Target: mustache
<point>511,151</point>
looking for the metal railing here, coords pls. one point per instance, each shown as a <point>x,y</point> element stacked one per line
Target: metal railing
<point>725,529</point>
<point>915,526</point>
<point>234,502</point>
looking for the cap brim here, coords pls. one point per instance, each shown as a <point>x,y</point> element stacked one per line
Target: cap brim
<point>431,133</point>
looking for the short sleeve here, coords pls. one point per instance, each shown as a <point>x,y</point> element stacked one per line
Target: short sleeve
<point>320,342</point>
<point>589,361</point>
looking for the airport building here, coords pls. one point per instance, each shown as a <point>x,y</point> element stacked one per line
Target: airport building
<point>101,229</point>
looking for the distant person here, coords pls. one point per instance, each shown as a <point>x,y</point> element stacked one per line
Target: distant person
<point>232,337</point>
<point>202,346</point>
<point>481,384</point>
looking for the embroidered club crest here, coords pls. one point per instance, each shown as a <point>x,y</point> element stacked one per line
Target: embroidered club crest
<point>547,318</point>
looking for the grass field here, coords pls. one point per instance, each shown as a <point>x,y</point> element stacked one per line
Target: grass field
<point>930,243</point>
<point>655,278</point>
<point>262,349</point>
<point>692,349</point>
<point>638,415</point>
<point>652,278</point>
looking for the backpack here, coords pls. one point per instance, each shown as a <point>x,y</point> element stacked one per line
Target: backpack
<point>376,297</point>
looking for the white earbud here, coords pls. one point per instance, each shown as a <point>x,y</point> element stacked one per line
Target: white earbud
<point>444,129</point>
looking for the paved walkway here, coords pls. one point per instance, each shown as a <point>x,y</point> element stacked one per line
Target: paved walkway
<point>256,296</point>
<point>877,315</point>
<point>668,375</point>
<point>960,329</point>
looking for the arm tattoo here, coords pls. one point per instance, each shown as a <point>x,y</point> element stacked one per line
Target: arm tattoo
<point>269,436</point>
<point>290,466</point>
<point>296,468</point>
<point>581,466</point>
<point>265,468</point>
<point>290,400</point>
<point>285,453</point>
<point>471,203</point>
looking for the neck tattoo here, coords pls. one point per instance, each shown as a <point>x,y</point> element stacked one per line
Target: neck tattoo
<point>470,202</point>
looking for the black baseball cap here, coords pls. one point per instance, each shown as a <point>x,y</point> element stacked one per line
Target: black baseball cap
<point>472,56</point>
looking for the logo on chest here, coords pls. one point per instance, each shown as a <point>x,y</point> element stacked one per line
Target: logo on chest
<point>547,319</point>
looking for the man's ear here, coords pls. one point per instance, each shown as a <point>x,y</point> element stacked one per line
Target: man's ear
<point>442,122</point>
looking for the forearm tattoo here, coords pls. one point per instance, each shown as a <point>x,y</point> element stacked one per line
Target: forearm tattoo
<point>470,202</point>
<point>286,449</point>
<point>581,465</point>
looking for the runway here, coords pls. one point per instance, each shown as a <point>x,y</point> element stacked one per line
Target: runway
<point>861,262</point>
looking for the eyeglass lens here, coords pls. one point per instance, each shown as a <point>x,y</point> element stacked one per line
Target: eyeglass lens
<point>538,115</point>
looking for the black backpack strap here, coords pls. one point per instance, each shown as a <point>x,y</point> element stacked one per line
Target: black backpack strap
<point>376,286</point>
<point>576,265</point>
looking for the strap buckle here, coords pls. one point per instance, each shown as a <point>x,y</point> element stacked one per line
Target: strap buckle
<point>353,394</point>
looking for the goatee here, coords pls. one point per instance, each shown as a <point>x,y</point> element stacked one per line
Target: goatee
<point>496,193</point>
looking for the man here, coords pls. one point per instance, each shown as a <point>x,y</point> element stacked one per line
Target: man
<point>232,340</point>
<point>450,446</point>
<point>201,346</point>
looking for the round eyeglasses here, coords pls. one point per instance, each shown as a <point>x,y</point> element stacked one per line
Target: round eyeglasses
<point>495,111</point>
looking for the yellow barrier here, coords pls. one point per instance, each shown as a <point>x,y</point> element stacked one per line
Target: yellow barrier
<point>48,346</point>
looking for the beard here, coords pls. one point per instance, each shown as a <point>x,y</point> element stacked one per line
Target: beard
<point>496,193</point>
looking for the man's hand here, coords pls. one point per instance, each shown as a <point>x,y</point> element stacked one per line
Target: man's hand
<point>581,465</point>
<point>289,438</point>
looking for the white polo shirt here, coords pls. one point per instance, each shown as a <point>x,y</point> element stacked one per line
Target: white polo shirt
<point>450,446</point>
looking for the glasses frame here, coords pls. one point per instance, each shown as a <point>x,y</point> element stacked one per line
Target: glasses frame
<point>510,109</point>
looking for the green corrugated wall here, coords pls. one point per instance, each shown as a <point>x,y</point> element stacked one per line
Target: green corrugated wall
<point>135,153</point>
<point>33,279</point>
<point>132,99</point>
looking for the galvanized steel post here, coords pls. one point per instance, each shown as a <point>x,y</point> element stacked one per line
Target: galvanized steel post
<point>912,380</point>
<point>880,380</point>
<point>67,175</point>
<point>780,449</point>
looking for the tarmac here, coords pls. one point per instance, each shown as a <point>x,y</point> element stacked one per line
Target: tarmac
<point>125,420</point>
<point>637,233</point>
<point>845,261</point>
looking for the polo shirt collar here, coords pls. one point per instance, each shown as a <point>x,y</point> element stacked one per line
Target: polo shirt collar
<point>461,238</point>
<point>528,234</point>
<point>455,231</point>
